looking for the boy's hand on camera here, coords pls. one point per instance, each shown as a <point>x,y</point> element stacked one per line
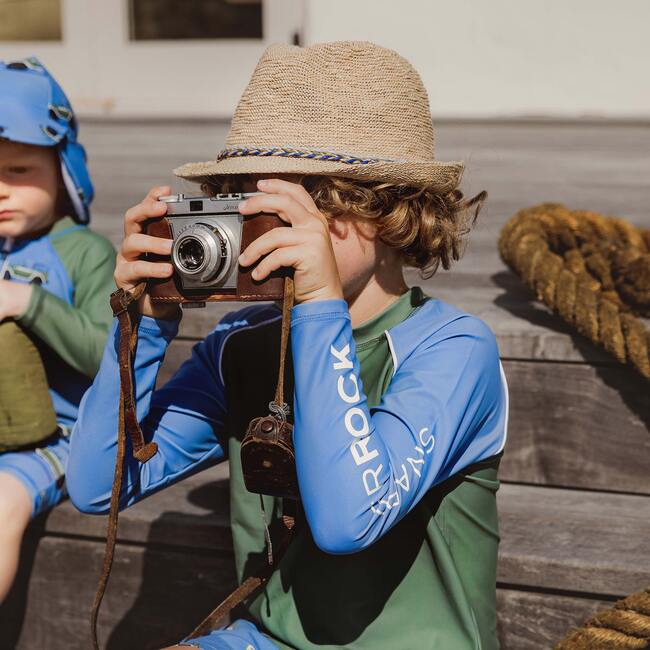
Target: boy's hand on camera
<point>14,298</point>
<point>306,246</point>
<point>130,269</point>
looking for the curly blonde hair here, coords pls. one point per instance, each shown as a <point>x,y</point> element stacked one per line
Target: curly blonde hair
<point>427,227</point>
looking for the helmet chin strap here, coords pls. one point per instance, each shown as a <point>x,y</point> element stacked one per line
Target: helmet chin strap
<point>75,199</point>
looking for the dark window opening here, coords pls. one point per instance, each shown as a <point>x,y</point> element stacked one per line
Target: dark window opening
<point>188,19</point>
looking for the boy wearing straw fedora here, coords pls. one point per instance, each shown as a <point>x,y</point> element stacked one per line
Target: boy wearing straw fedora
<point>399,401</point>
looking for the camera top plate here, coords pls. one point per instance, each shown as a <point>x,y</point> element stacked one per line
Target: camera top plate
<point>181,204</point>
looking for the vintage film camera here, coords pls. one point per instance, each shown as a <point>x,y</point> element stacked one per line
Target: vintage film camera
<point>209,233</point>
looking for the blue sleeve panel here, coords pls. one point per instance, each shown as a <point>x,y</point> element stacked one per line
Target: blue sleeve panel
<point>184,417</point>
<point>361,469</point>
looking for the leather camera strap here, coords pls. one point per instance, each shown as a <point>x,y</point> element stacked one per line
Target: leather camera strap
<point>252,583</point>
<point>287,304</point>
<point>261,577</point>
<point>124,305</point>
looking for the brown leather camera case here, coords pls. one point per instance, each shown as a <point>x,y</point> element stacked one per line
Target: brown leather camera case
<point>268,458</point>
<point>271,288</point>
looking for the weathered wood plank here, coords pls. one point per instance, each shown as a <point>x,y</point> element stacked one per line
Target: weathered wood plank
<point>566,529</point>
<point>573,540</point>
<point>578,426</point>
<point>568,540</point>
<point>525,329</point>
<point>519,164</point>
<point>557,540</point>
<point>570,425</point>
<point>191,514</point>
<point>532,621</point>
<point>156,596</point>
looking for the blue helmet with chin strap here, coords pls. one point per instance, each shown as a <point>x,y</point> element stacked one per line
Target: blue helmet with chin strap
<point>35,110</point>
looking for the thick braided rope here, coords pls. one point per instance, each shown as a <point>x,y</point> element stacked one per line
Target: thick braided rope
<point>289,152</point>
<point>594,271</point>
<point>626,625</point>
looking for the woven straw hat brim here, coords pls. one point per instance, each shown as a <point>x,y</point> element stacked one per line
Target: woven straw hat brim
<point>439,176</point>
<point>351,109</point>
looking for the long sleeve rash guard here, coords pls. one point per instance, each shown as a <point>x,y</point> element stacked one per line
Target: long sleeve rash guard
<point>360,469</point>
<point>72,317</point>
<point>71,271</point>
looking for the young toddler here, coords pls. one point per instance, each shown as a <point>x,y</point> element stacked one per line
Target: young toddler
<point>55,280</point>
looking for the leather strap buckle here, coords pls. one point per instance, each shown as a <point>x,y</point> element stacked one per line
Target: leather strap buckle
<point>120,301</point>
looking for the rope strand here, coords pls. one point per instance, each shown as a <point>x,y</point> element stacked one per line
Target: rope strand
<point>626,625</point>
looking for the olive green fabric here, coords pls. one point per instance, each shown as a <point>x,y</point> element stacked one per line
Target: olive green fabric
<point>429,583</point>
<point>26,412</point>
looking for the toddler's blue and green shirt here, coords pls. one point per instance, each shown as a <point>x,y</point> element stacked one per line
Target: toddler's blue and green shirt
<point>71,270</point>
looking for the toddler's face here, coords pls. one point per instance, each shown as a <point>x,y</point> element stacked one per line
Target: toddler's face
<point>29,183</point>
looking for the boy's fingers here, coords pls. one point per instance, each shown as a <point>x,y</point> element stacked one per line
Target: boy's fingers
<point>295,190</point>
<point>285,206</point>
<point>277,237</point>
<point>279,258</point>
<point>135,272</point>
<point>156,192</point>
<point>147,209</point>
<point>137,243</point>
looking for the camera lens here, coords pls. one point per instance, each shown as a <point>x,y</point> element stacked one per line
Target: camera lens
<point>191,253</point>
<point>202,253</point>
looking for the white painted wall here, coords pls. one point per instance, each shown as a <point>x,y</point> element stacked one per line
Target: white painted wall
<point>105,74</point>
<point>478,58</point>
<point>483,58</point>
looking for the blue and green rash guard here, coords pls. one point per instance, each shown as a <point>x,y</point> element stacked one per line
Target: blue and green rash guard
<point>399,425</point>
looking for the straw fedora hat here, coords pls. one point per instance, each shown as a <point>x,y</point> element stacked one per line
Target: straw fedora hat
<point>349,108</point>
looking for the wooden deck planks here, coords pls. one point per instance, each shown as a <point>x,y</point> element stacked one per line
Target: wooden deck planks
<point>563,555</point>
<point>578,419</point>
<point>565,540</point>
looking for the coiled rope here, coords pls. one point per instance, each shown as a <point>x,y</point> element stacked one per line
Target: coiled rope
<point>594,271</point>
<point>626,625</point>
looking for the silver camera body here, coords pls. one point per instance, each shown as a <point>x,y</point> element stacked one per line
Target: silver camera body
<point>207,232</point>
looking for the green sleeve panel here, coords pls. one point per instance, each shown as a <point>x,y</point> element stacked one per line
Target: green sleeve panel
<point>77,333</point>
